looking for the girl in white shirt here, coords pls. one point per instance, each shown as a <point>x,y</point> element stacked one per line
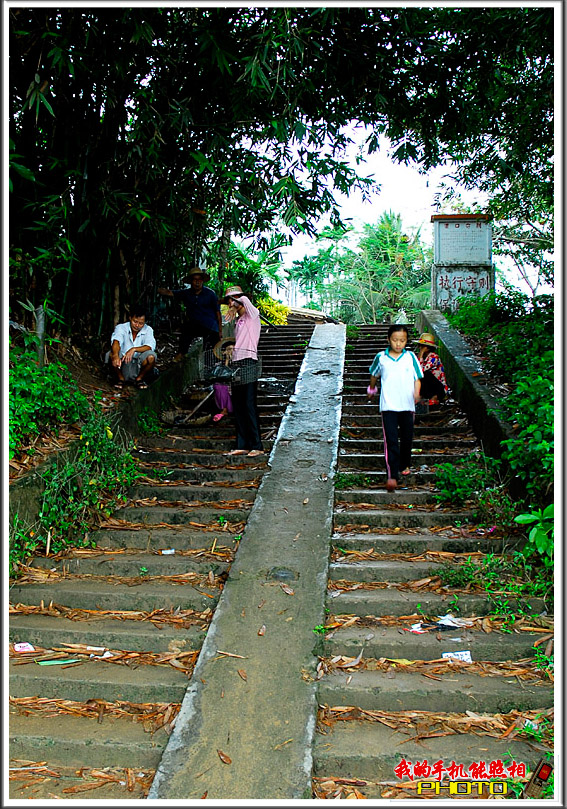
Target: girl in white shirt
<point>400,375</point>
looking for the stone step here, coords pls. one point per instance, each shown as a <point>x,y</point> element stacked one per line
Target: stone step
<point>395,642</point>
<point>191,493</point>
<point>47,631</point>
<point>392,601</point>
<point>180,537</point>
<point>446,412</point>
<point>80,742</point>
<point>152,515</point>
<point>454,691</point>
<point>103,595</point>
<point>197,475</point>
<point>130,564</point>
<point>219,443</point>
<point>423,431</point>
<point>381,497</point>
<point>359,749</point>
<point>202,459</point>
<point>376,445</point>
<point>66,781</point>
<point>370,570</point>
<point>423,541</point>
<point>376,461</point>
<point>348,480</point>
<point>368,416</point>
<point>402,518</point>
<point>98,680</point>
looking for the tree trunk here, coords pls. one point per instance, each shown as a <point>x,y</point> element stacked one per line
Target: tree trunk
<point>40,331</point>
<point>117,304</point>
<point>224,246</point>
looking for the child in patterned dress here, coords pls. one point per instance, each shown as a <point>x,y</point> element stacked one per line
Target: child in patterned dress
<point>433,385</point>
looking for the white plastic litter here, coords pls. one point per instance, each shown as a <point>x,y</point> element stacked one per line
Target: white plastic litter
<point>416,629</point>
<point>465,656</point>
<point>24,646</point>
<point>168,552</point>
<point>450,620</point>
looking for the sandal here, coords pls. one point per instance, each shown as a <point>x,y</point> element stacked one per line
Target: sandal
<point>406,472</point>
<point>119,386</point>
<point>218,417</point>
<point>140,384</point>
<point>254,452</point>
<point>237,452</point>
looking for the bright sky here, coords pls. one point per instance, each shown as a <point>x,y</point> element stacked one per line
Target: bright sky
<point>403,191</point>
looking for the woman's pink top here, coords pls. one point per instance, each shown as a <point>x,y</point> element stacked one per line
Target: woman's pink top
<point>247,331</point>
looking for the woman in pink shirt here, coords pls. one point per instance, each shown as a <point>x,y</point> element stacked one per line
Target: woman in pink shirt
<point>245,356</point>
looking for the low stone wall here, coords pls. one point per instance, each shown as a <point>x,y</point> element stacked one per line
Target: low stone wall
<point>25,493</point>
<point>467,381</point>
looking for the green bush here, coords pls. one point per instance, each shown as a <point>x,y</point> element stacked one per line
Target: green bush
<point>41,399</point>
<point>464,482</point>
<point>24,541</point>
<point>88,486</point>
<point>512,328</point>
<point>517,339</point>
<point>474,315</point>
<point>272,310</point>
<point>541,536</point>
<point>149,423</point>
<point>529,408</point>
<point>478,482</point>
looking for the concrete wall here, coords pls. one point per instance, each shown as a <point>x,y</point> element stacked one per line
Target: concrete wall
<point>25,493</point>
<point>471,392</point>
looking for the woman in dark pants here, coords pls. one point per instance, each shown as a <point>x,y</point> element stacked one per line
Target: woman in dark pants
<point>245,358</point>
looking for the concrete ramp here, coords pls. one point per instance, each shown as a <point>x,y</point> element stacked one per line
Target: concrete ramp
<point>246,725</point>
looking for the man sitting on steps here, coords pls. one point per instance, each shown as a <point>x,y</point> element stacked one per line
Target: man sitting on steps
<point>132,353</point>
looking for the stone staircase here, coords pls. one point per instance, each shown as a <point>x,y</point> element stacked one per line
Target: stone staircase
<point>144,597</point>
<point>385,693</point>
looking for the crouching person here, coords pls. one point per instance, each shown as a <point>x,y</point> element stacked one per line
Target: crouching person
<point>132,353</point>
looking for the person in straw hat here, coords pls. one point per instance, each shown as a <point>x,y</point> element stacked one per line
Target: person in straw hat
<point>245,354</point>
<point>433,385</point>
<point>202,311</point>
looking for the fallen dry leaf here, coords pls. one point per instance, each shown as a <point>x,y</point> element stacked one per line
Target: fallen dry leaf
<point>242,673</point>
<point>262,629</point>
<point>224,758</point>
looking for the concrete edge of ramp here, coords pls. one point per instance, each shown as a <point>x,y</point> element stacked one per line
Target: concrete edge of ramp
<point>247,721</point>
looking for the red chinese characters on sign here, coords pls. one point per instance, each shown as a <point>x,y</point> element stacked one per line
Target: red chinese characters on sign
<point>477,771</point>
